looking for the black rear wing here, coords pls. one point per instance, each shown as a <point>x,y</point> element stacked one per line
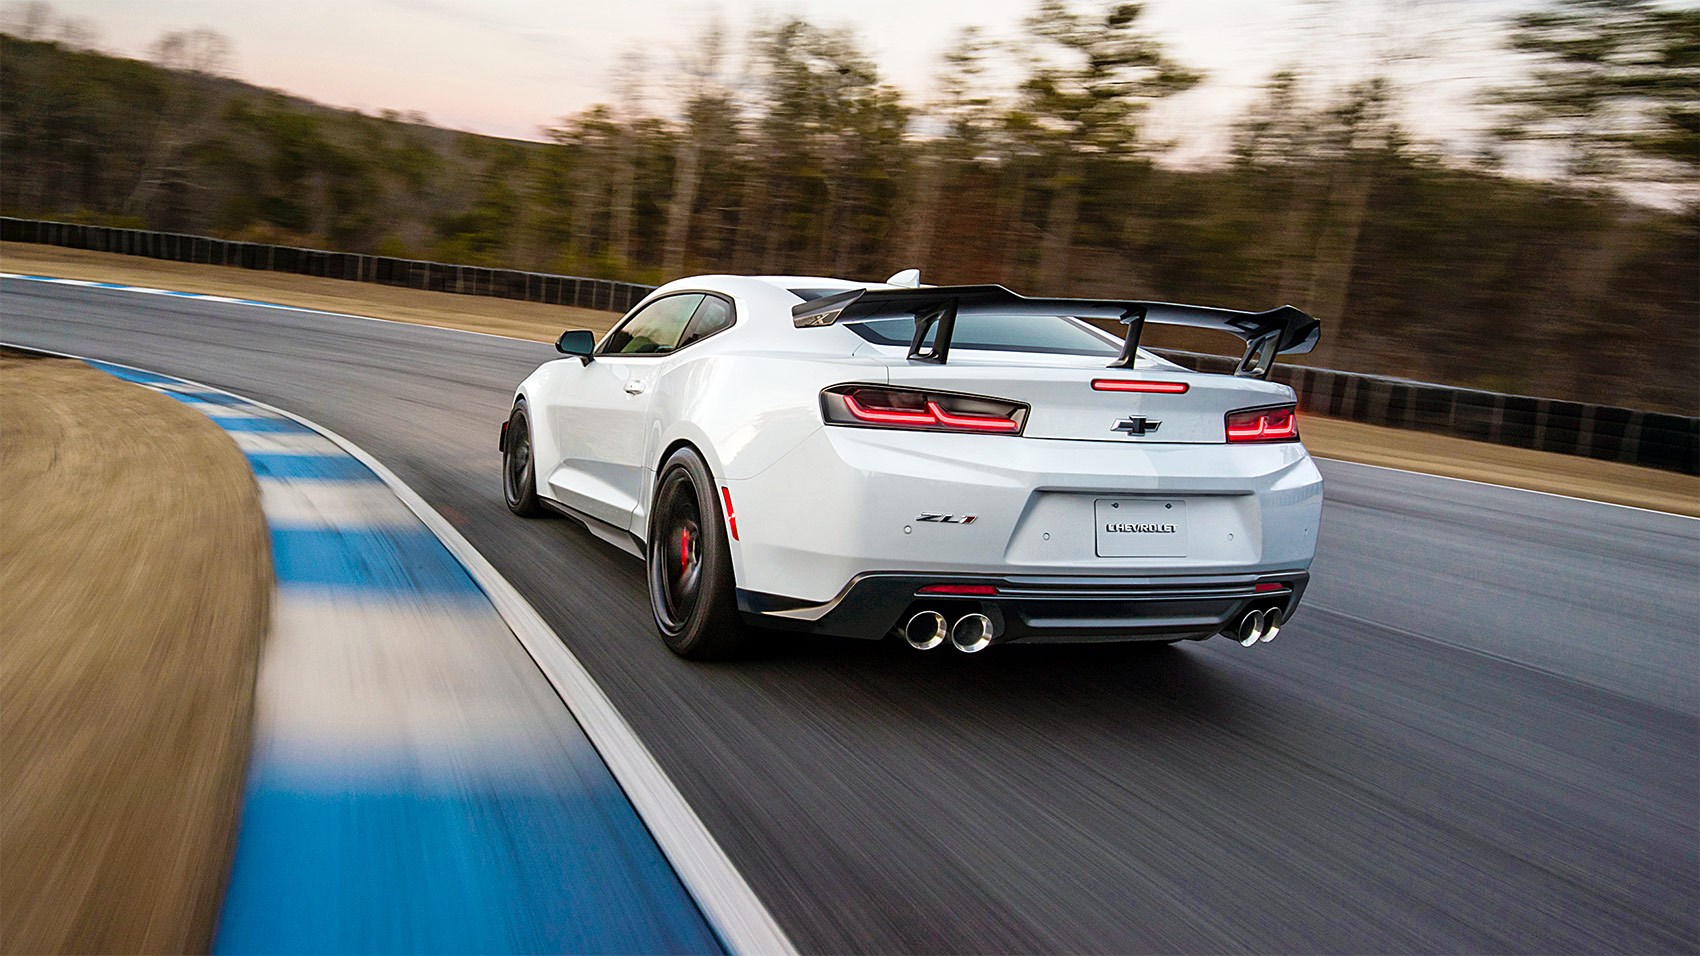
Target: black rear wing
<point>1266,334</point>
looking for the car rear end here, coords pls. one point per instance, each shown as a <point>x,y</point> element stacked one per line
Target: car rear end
<point>1036,495</point>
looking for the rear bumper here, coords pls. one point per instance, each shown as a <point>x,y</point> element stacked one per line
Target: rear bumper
<point>1041,608</point>
<point>851,502</point>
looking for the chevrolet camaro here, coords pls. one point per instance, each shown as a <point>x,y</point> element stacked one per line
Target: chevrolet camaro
<point>945,464</point>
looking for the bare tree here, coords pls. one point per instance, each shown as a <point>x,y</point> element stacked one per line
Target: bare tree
<point>965,112</point>
<point>77,33</point>
<point>706,108</point>
<point>1094,72</point>
<point>31,20</point>
<point>629,96</point>
<point>202,50</point>
<point>186,119</point>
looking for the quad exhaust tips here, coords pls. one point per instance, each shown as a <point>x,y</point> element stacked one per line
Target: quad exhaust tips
<point>971,633</point>
<point>926,630</point>
<point>1257,626</point>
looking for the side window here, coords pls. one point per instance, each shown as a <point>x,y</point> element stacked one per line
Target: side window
<point>654,329</point>
<point>714,315</point>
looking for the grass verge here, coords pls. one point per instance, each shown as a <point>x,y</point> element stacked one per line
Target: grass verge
<point>1331,438</point>
<point>136,572</point>
<point>1502,465</point>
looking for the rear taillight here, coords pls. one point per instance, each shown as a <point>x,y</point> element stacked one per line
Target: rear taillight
<point>1130,385</point>
<point>871,406</point>
<point>1280,423</point>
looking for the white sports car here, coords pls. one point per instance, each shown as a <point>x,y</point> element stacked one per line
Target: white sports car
<point>952,463</point>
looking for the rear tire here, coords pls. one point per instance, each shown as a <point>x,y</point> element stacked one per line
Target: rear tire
<point>692,591</point>
<point>519,467</point>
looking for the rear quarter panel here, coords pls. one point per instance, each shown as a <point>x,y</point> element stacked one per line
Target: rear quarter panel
<point>742,411</point>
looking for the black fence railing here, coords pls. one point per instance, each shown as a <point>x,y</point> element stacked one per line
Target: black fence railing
<point>1653,439</point>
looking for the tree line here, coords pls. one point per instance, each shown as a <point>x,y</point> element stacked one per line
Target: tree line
<point>801,158</point>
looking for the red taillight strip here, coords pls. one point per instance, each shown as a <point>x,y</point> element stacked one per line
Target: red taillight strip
<point>1126,385</point>
<point>935,416</point>
<point>1259,429</point>
<point>977,422</point>
<point>731,518</point>
<point>888,416</point>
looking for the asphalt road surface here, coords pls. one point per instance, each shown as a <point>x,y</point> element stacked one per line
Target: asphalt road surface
<point>1481,732</point>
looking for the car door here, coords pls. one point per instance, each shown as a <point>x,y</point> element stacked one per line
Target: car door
<point>601,408</point>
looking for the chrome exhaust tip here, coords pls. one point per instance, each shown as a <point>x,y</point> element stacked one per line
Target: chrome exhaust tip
<point>926,630</point>
<point>1250,630</point>
<point>971,633</point>
<point>1271,624</point>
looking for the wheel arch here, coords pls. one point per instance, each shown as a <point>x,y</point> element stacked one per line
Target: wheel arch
<point>678,445</point>
<point>641,523</point>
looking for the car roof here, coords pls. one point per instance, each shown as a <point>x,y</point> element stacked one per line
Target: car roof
<point>789,283</point>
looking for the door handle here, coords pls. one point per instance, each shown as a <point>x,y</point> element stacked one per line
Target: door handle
<point>635,387</point>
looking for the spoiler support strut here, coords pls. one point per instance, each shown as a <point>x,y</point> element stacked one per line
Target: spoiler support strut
<point>935,311</point>
<point>1135,322</point>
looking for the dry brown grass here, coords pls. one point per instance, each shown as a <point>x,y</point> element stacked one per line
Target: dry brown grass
<point>1502,465</point>
<point>1351,441</point>
<point>135,589</point>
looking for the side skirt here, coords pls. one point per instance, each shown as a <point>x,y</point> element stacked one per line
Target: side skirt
<point>618,537</point>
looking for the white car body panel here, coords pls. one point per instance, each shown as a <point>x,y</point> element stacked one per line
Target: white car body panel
<point>819,505</point>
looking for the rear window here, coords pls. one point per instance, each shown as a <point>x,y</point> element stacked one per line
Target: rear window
<point>998,333</point>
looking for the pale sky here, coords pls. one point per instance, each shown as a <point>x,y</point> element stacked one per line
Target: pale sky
<point>509,67</point>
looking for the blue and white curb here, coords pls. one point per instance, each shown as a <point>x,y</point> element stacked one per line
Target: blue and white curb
<point>415,783</point>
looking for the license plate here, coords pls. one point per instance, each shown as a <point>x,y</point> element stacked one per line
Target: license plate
<point>1141,527</point>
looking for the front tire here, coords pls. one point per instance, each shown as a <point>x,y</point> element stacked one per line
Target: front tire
<point>691,588</point>
<point>519,467</point>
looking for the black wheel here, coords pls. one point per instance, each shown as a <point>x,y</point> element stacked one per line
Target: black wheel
<point>691,588</point>
<point>519,480</point>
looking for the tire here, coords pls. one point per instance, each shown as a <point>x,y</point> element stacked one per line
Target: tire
<point>519,467</point>
<point>691,588</point>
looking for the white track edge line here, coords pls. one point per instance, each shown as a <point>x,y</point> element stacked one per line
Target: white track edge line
<point>1527,491</point>
<point>260,304</point>
<point>727,901</point>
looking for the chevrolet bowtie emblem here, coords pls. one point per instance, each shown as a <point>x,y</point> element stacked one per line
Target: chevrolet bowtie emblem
<point>1137,425</point>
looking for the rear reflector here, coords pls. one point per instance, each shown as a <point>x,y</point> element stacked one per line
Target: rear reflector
<point>1280,423</point>
<point>731,519</point>
<point>968,590</point>
<point>1125,385</point>
<point>1267,586</point>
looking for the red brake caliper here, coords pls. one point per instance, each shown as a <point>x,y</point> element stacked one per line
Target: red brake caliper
<point>684,550</point>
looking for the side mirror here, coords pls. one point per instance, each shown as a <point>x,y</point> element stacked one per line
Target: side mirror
<point>578,342</point>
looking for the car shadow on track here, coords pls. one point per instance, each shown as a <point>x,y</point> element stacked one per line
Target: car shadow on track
<point>1116,681</point>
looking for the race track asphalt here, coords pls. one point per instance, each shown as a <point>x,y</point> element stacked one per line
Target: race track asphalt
<point>1481,733</point>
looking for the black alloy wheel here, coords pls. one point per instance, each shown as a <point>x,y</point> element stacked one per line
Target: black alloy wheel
<point>691,586</point>
<point>519,482</point>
